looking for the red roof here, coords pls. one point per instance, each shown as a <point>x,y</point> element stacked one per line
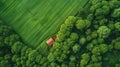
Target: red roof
<point>51,40</point>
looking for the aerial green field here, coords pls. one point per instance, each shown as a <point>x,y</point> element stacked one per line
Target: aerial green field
<point>37,20</point>
<point>62,33</point>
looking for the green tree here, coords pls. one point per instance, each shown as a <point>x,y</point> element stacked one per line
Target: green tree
<point>86,56</point>
<point>96,58</point>
<point>88,31</point>
<point>97,64</point>
<point>94,34</point>
<point>95,42</point>
<point>74,36</point>
<point>116,13</point>
<point>90,17</point>
<point>117,25</point>
<point>5,63</point>
<point>16,48</point>
<point>90,46</point>
<point>10,40</point>
<point>60,37</point>
<point>87,23</point>
<point>103,31</point>
<point>70,21</point>
<point>117,45</point>
<point>100,40</point>
<point>64,65</point>
<point>80,24</point>
<point>14,57</point>
<point>72,58</point>
<point>32,55</point>
<point>7,57</point>
<point>103,48</point>
<point>38,58</point>
<point>85,59</point>
<point>51,57</point>
<point>117,65</point>
<point>82,40</point>
<point>76,48</point>
<point>96,50</point>
<point>88,38</point>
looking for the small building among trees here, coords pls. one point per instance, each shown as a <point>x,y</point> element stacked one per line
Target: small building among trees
<point>51,40</point>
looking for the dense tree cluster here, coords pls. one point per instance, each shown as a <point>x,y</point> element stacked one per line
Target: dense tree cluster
<point>15,53</point>
<point>89,39</point>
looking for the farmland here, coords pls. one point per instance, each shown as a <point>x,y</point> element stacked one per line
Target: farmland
<point>37,20</point>
<point>68,33</point>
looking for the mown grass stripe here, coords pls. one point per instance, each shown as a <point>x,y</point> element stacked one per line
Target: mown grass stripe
<point>43,45</point>
<point>36,21</point>
<point>45,28</point>
<point>7,4</point>
<point>11,7</point>
<point>49,30</point>
<point>25,24</point>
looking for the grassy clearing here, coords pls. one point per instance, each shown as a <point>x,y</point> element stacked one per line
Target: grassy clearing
<point>36,20</point>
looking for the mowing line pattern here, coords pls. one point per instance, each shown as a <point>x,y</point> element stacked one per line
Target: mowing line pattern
<point>36,20</point>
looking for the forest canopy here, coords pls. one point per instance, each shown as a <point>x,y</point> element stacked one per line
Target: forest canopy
<point>89,39</point>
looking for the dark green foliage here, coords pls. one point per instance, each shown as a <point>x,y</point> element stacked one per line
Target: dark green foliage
<point>92,36</point>
<point>117,45</point>
<point>74,36</point>
<point>103,48</point>
<point>117,65</point>
<point>14,53</point>
<point>117,26</point>
<point>116,13</point>
<point>103,31</point>
<point>85,59</point>
<point>82,24</point>
<point>82,40</point>
<point>90,39</point>
<point>76,48</point>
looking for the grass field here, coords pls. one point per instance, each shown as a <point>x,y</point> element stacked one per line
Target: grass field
<point>37,20</point>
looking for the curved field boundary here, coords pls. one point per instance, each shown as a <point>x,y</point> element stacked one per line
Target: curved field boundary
<point>36,20</point>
